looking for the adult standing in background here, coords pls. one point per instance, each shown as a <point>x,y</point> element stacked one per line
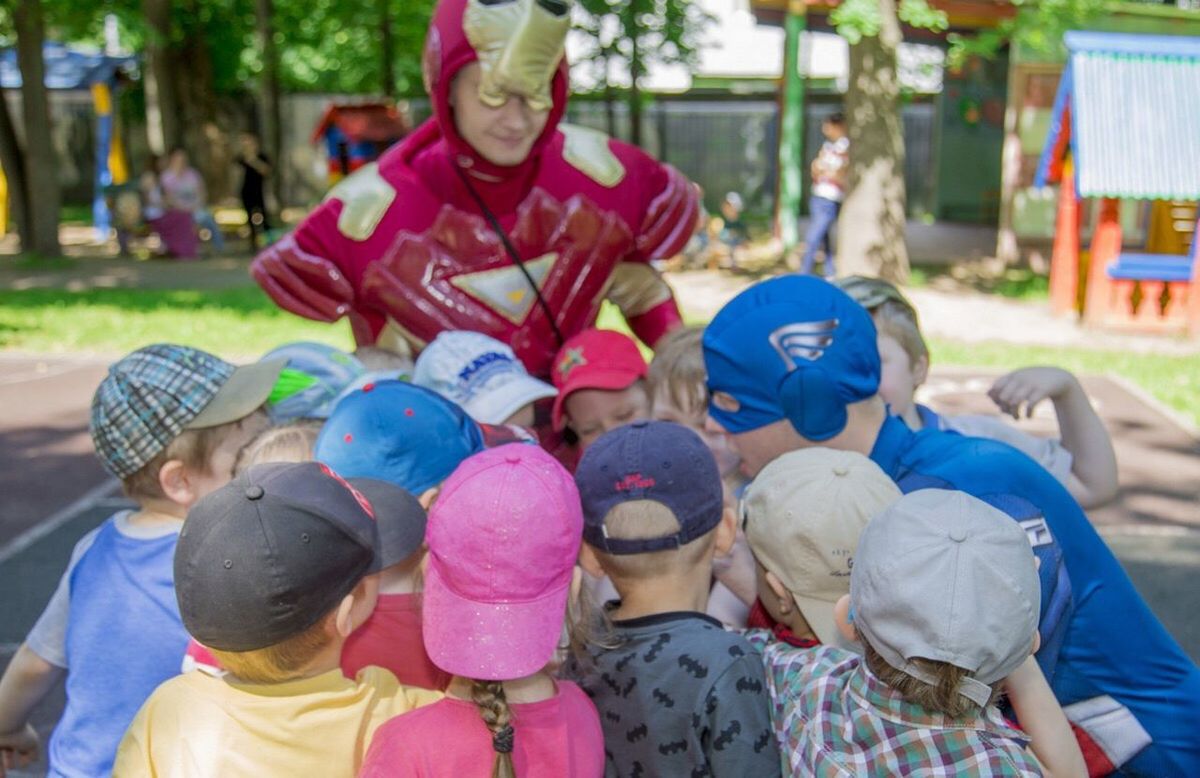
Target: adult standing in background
<point>184,190</point>
<point>829,173</point>
<point>256,166</point>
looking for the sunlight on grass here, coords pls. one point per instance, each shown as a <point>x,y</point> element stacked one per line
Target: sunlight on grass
<point>232,322</point>
<point>243,323</point>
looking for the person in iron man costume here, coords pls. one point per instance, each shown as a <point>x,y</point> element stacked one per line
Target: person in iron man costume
<point>405,248</point>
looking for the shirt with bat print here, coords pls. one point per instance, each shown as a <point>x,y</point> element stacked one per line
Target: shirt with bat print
<point>679,696</point>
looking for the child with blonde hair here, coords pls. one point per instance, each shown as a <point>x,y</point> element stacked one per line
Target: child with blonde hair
<point>677,394</point>
<point>273,572</point>
<point>391,636</point>
<point>1082,460</point>
<point>503,538</point>
<point>168,421</point>
<point>291,442</point>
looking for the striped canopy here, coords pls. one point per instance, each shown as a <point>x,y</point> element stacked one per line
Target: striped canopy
<point>1128,107</point>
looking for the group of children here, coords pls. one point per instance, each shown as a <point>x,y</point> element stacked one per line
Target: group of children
<point>732,561</point>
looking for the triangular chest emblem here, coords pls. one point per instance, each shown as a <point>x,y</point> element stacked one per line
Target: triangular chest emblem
<point>504,289</point>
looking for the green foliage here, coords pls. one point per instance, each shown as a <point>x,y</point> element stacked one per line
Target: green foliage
<point>858,19</point>
<point>1038,25</point>
<point>918,13</point>
<point>324,45</point>
<point>640,32</point>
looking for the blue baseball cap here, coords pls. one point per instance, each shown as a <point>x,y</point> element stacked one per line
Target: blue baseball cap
<point>649,460</point>
<point>397,432</point>
<point>792,347</point>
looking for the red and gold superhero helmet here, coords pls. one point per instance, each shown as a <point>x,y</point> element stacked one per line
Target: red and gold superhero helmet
<point>519,45</point>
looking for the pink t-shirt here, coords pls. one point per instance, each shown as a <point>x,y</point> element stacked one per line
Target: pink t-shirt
<point>553,738</point>
<point>391,639</point>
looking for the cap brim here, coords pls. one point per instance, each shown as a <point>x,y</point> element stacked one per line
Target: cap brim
<point>489,641</point>
<point>496,405</point>
<point>245,392</point>
<point>819,615</point>
<point>610,380</point>
<point>399,518</point>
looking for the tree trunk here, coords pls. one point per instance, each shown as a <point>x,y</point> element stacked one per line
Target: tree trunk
<point>871,225</point>
<point>610,101</point>
<point>12,159</point>
<point>204,136</point>
<point>41,166</point>
<point>269,96</point>
<point>635,93</point>
<point>162,98</point>
<point>387,50</point>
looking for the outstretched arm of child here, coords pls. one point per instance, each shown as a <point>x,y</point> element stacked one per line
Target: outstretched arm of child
<point>1051,739</point>
<point>28,679</point>
<point>1094,464</point>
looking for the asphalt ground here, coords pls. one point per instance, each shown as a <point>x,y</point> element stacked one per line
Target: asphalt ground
<point>53,491</point>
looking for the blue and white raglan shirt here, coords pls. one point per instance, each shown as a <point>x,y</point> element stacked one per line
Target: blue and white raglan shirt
<point>113,624</point>
<point>1099,638</point>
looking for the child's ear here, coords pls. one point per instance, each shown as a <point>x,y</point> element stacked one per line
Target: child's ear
<point>841,617</point>
<point>357,606</point>
<point>920,370</point>
<point>780,591</point>
<point>175,484</point>
<point>428,496</point>
<point>1037,642</point>
<point>590,562</point>
<point>726,532</point>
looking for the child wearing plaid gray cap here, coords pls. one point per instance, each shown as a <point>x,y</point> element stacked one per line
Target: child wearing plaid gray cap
<point>168,421</point>
<point>944,600</point>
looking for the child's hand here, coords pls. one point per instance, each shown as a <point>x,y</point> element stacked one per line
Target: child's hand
<point>1028,387</point>
<point>18,749</point>
<point>736,570</point>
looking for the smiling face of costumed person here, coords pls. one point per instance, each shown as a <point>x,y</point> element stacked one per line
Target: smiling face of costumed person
<point>504,135</point>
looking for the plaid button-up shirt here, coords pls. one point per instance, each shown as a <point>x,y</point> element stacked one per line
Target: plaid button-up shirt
<point>833,718</point>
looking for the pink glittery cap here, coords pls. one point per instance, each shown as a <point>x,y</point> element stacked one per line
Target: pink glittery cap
<point>503,538</point>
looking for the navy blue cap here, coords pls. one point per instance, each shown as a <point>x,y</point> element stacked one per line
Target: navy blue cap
<point>792,347</point>
<point>649,460</point>
<point>400,433</point>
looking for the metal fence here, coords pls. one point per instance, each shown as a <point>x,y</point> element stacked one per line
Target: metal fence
<point>732,145</point>
<point>722,145</point>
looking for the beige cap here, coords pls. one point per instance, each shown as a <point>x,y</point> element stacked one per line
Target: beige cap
<point>803,515</point>
<point>243,393</point>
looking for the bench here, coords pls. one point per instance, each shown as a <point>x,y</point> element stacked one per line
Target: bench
<point>1149,290</point>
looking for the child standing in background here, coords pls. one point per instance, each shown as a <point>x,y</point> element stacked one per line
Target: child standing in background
<point>503,537</point>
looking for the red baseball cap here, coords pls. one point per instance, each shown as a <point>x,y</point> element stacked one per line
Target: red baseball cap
<point>595,359</point>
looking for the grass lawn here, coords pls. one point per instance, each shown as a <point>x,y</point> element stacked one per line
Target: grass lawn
<point>243,323</point>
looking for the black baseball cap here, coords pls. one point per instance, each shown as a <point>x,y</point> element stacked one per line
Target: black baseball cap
<point>399,518</point>
<point>272,552</point>
<point>649,460</point>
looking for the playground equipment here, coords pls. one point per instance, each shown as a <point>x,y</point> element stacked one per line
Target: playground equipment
<point>1125,126</point>
<point>356,134</point>
<point>80,70</point>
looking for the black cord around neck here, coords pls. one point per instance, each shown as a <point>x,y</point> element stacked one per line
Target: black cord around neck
<point>512,252</point>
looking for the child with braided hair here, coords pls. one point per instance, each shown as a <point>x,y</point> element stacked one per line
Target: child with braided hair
<point>503,538</point>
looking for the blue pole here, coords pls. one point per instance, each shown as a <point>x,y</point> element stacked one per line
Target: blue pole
<point>102,99</point>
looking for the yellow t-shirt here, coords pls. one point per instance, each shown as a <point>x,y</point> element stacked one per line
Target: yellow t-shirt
<point>200,726</point>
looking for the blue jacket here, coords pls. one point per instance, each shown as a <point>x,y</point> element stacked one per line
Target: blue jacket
<point>1098,636</point>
